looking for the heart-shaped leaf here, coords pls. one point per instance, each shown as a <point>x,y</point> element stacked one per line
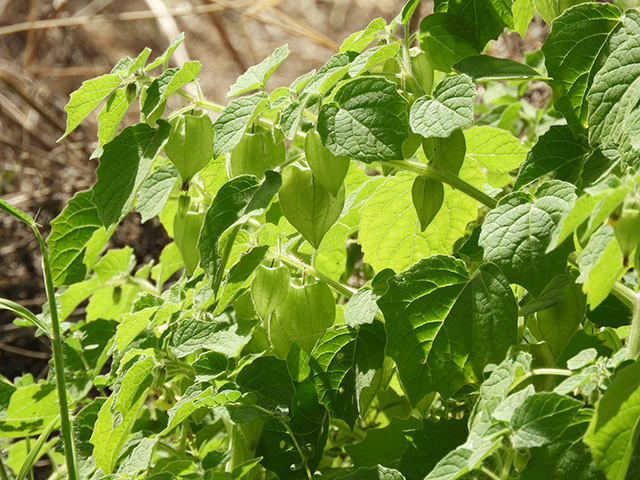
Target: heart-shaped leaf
<point>302,318</point>
<point>308,206</point>
<point>328,168</point>
<point>269,289</point>
<point>428,195</point>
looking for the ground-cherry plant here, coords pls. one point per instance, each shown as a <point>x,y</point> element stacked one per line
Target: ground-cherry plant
<point>376,272</point>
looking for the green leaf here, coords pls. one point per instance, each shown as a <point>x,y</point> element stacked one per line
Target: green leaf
<point>269,289</point>
<point>164,58</point>
<point>235,202</point>
<point>308,423</point>
<point>222,336</point>
<point>124,165</point>
<point>155,191</point>
<point>358,41</point>
<point>382,446</point>
<point>523,11</point>
<point>308,206</point>
<point>600,265</point>
<point>613,433</point>
<point>239,275</point>
<point>233,120</point>
<point>269,380</point>
<point>542,418</point>
<point>188,403</point>
<point>483,68</point>
<point>515,235</point>
<point>371,57</point>
<point>362,307</point>
<point>444,326</point>
<point>447,152</point>
<point>330,74</point>
<point>447,39</point>
<point>87,97</point>
<point>256,77</point>
<point>561,461</point>
<point>557,148</point>
<point>466,457</point>
<point>140,457</point>
<point>407,11</point>
<point>487,18</point>
<point>328,168</point>
<point>428,196</point>
<point>343,364</point>
<point>451,108</point>
<point>375,473</point>
<point>256,153</point>
<point>595,205</point>
<point>71,231</point>
<point>29,411</point>
<point>610,313</point>
<point>190,144</point>
<point>389,228</point>
<point>302,318</point>
<point>367,121</point>
<point>111,115</point>
<point>495,149</point>
<point>423,453</point>
<point>574,51</point>
<point>613,97</point>
<point>162,87</point>
<point>119,412</point>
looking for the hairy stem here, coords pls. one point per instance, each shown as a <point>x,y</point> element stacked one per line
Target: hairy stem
<point>445,177</point>
<point>634,334</point>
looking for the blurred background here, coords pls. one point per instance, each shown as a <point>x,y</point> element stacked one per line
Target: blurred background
<point>48,48</point>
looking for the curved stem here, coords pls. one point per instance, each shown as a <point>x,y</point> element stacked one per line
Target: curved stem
<point>634,335</point>
<point>445,177</point>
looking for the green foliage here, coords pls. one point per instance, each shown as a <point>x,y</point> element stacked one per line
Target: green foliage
<point>384,273</point>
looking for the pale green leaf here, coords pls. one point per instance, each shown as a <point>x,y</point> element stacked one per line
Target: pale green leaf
<point>574,52</point>
<point>155,191</point>
<point>330,74</point>
<point>256,76</point>
<point>613,432</point>
<point>366,121</point>
<point>358,41</point>
<point>542,418</point>
<point>451,108</point>
<point>495,149</point>
<point>390,231</point>
<point>30,410</point>
<point>110,117</point>
<point>371,57</point>
<point>164,58</point>
<point>515,235</point>
<point>119,412</point>
<point>87,97</point>
<point>124,165</point>
<point>187,404</point>
<point>600,265</point>
<point>162,87</point>
<point>523,11</point>
<point>70,233</point>
<point>234,119</point>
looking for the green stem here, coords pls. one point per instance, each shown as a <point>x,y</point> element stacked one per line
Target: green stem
<point>58,361</point>
<point>489,473</point>
<point>634,334</point>
<point>445,177</point>
<point>303,457</point>
<point>298,265</point>
<point>3,472</point>
<point>225,258</point>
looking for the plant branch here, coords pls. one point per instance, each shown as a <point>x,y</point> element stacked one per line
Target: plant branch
<point>447,177</point>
